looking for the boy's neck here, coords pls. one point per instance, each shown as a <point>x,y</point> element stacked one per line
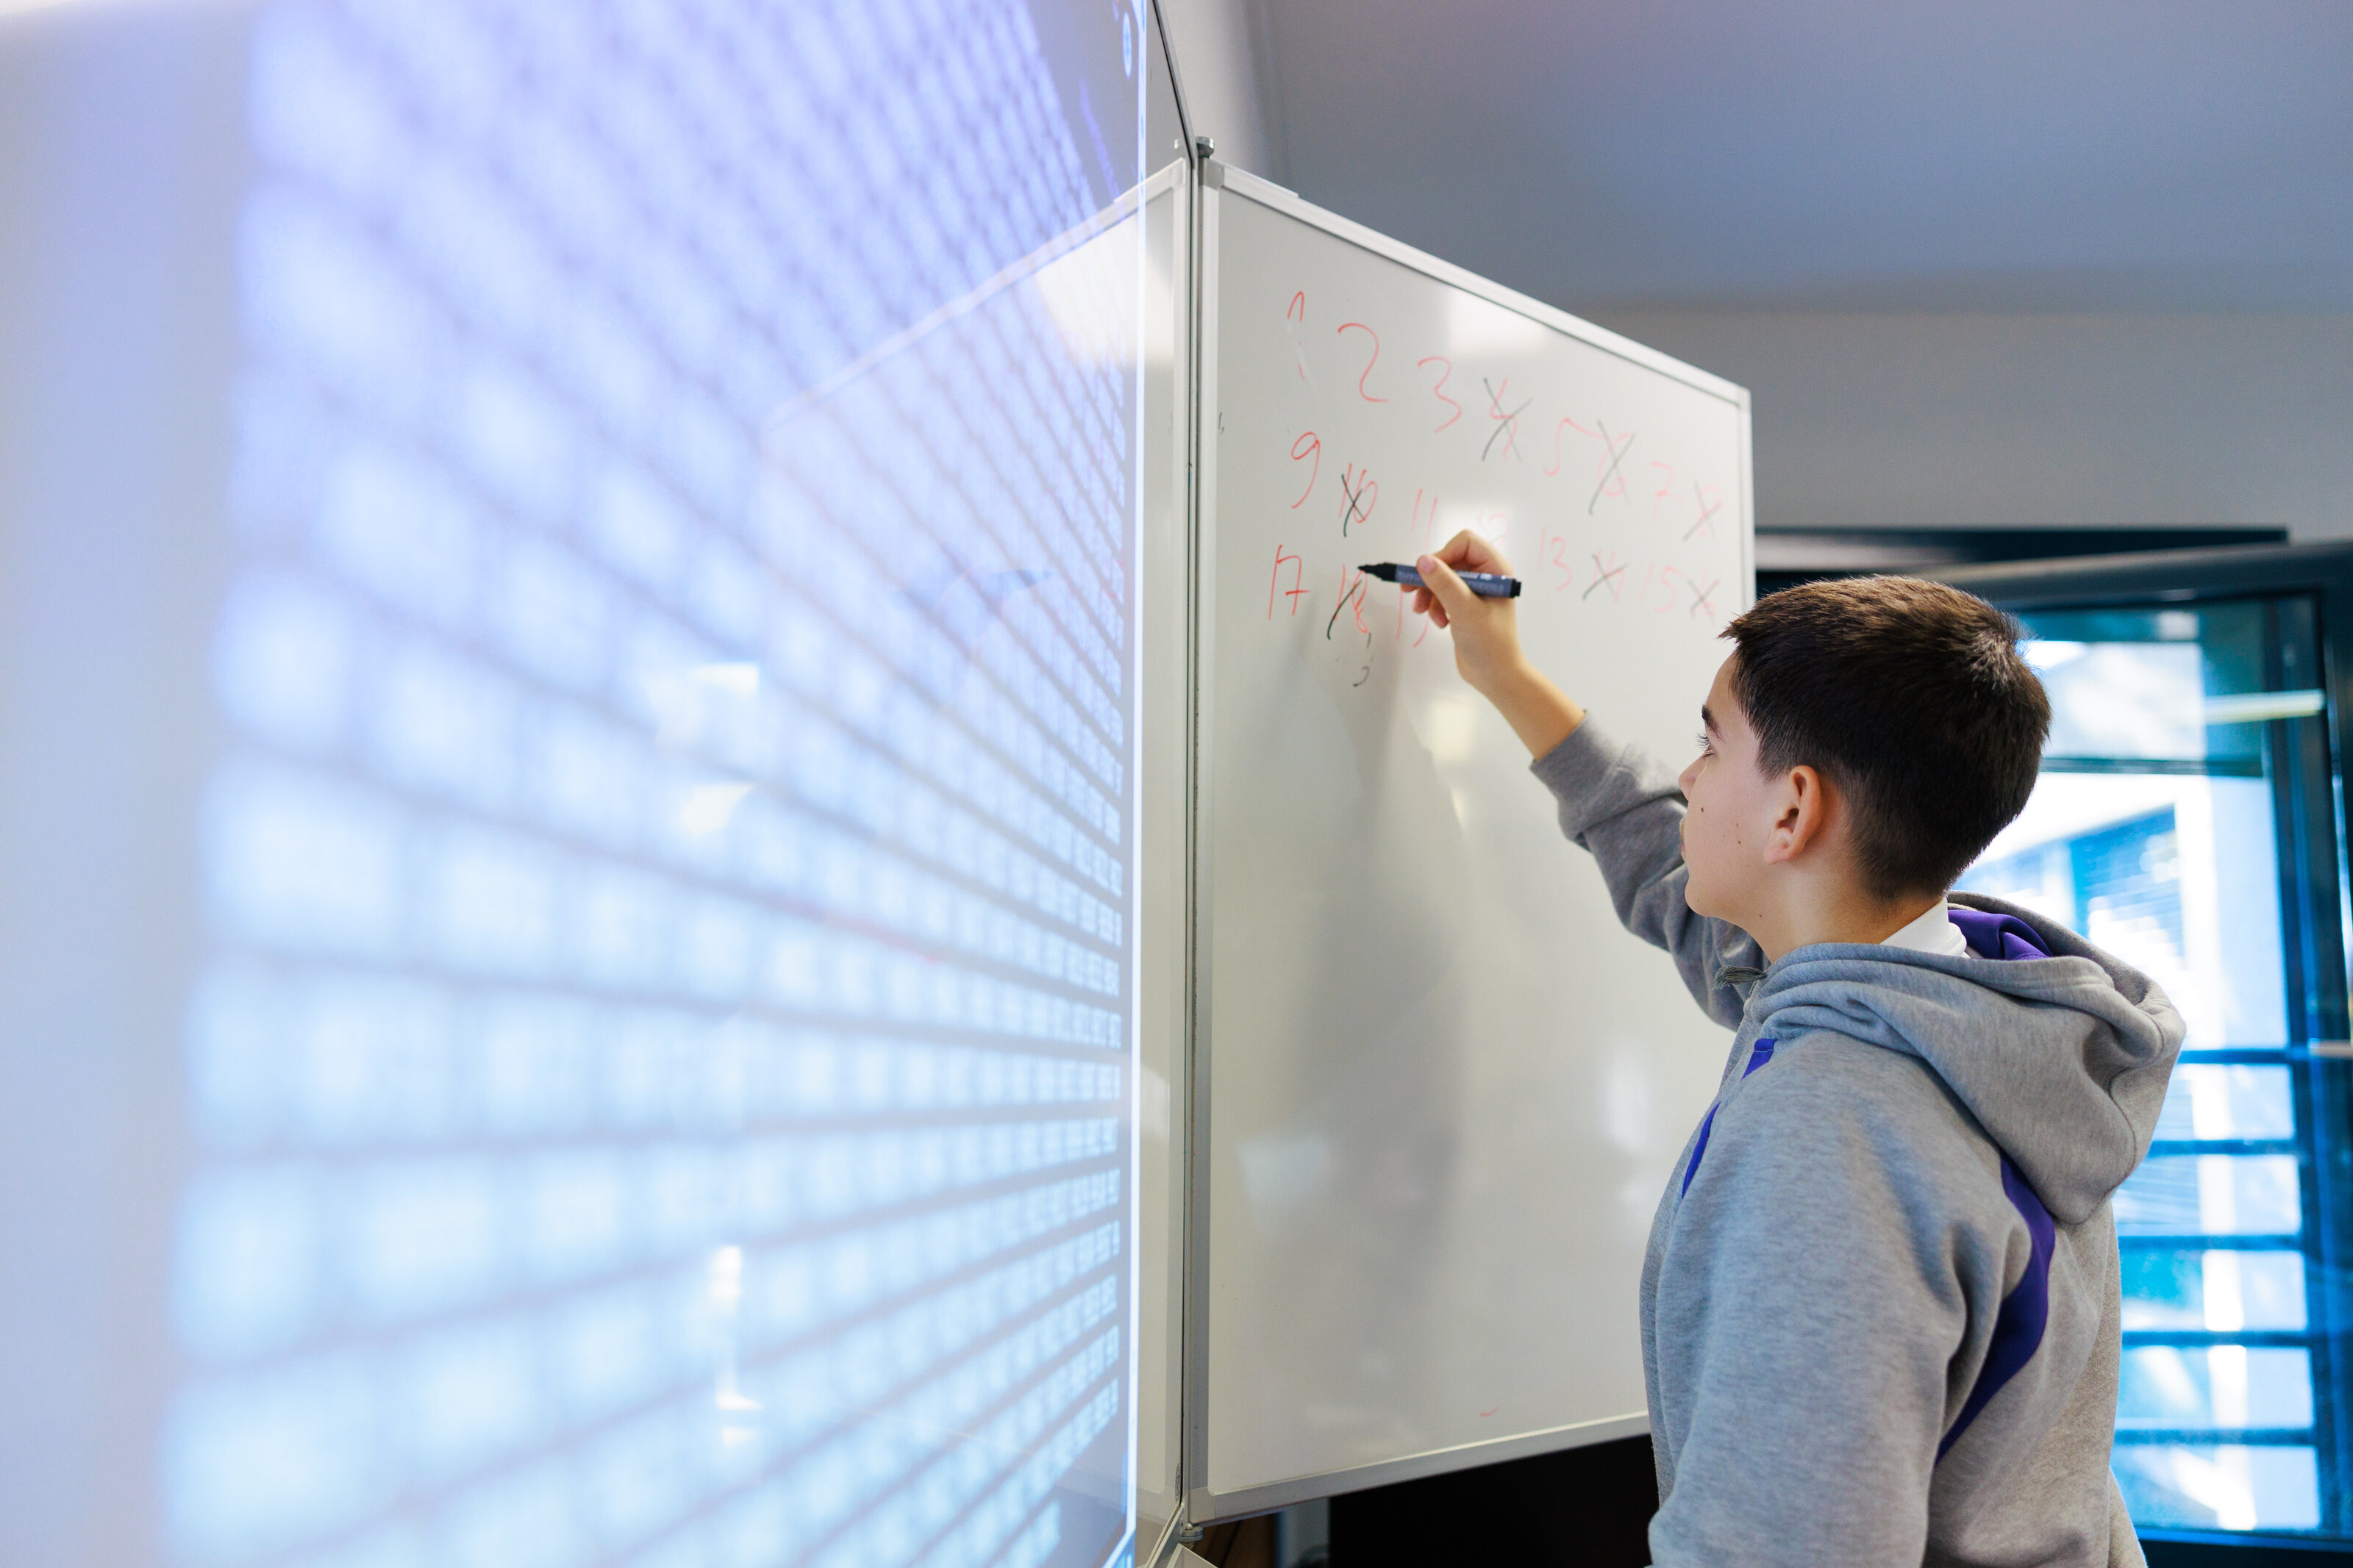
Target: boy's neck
<point>1814,912</point>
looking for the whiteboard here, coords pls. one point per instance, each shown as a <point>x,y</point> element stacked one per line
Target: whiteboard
<point>1438,1091</point>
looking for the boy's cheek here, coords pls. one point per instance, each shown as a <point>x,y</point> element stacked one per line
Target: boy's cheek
<point>1700,863</point>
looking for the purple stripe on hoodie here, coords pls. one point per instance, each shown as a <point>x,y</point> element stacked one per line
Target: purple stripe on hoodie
<point>2018,1326</point>
<point>2025,1311</point>
<point>1759,1055</point>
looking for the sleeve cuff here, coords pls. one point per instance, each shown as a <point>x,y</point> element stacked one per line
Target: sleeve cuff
<point>1576,770</point>
<point>1594,776</point>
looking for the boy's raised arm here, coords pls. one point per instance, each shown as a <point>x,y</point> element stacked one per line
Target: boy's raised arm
<point>1615,801</point>
<point>1619,805</point>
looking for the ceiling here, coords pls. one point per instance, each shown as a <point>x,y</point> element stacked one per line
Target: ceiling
<point>1842,155</point>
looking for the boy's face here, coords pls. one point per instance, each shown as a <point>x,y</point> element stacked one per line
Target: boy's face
<point>1733,809</point>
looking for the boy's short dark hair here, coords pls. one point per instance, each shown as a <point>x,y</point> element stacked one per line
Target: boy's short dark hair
<point>1910,697</point>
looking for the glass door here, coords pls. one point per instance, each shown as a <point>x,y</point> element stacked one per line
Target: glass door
<point>2187,820</point>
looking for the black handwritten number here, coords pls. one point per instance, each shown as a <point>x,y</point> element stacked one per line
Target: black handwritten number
<point>1307,447</point>
<point>1363,676</point>
<point>1445,368</point>
<point>1368,364</point>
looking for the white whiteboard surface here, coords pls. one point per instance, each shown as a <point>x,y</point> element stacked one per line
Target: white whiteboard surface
<point>1439,1089</point>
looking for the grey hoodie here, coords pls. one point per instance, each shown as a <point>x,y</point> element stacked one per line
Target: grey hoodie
<point>1880,1307</point>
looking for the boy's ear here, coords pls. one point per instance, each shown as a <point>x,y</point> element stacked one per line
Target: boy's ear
<point>1800,817</point>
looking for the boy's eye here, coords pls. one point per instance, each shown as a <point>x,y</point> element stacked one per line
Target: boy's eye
<point>1705,748</point>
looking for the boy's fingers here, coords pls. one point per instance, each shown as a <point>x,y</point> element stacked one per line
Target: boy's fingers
<point>1467,552</point>
<point>1452,597</point>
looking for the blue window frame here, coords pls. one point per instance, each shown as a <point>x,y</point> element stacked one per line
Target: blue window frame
<point>2189,818</point>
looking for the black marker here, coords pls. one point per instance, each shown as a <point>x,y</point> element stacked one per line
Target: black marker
<point>1486,585</point>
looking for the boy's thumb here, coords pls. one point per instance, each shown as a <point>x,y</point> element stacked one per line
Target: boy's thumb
<point>1439,578</point>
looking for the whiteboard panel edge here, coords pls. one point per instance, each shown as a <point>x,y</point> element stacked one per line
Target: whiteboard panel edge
<point>1748,504</point>
<point>1194,1463</point>
<point>1289,203</point>
<point>1208,1507</point>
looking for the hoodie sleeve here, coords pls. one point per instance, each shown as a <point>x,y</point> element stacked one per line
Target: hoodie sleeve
<point>1622,807</point>
<point>1808,1315</point>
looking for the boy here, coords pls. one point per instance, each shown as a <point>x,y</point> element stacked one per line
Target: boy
<point>1880,1311</point>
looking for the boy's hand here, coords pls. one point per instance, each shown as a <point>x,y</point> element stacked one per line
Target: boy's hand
<point>1486,631</point>
<point>1487,643</point>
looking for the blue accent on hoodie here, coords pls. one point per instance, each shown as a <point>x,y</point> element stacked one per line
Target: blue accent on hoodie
<point>2026,1311</point>
<point>1759,1055</point>
<point>1854,1181</point>
<point>1991,935</point>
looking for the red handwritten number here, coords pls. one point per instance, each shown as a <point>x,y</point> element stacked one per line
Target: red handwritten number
<point>1613,476</point>
<point>1362,493</point>
<point>1297,309</point>
<point>1294,592</point>
<point>1507,425</point>
<point>1708,507</point>
<point>1307,447</point>
<point>1564,424</point>
<point>1607,575</point>
<point>1658,497</point>
<point>1567,573</point>
<point>1368,364</point>
<point>1438,390</point>
<point>1349,593</point>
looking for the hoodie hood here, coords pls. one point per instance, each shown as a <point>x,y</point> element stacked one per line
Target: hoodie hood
<point>2060,1051</point>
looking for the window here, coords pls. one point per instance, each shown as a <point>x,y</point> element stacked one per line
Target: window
<point>2184,821</point>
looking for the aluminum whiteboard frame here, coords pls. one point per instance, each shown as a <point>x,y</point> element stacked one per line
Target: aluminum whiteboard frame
<point>1219,182</point>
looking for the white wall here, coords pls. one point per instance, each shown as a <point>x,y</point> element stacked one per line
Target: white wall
<point>1225,68</point>
<point>1963,419</point>
<point>1986,420</point>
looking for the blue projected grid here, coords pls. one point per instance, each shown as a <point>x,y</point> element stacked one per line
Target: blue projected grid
<point>659,1090</point>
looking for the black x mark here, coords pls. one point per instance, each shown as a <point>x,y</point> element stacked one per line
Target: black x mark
<point>1609,471</point>
<point>1504,421</point>
<point>1604,574</point>
<point>1706,511</point>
